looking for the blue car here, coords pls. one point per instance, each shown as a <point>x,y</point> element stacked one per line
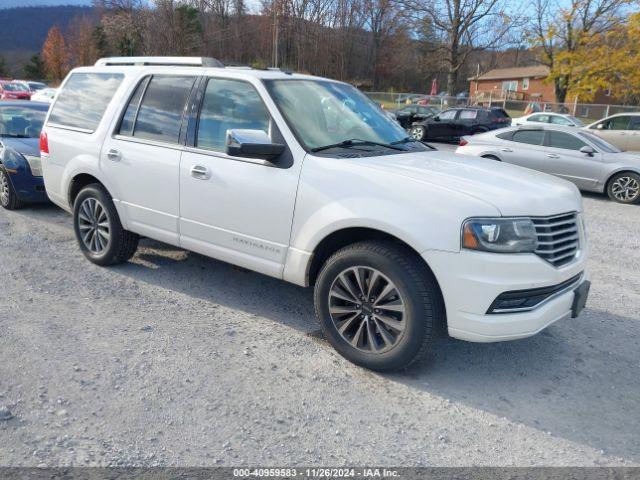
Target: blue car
<point>20,168</point>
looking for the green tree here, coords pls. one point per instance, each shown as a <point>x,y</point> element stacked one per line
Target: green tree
<point>34,69</point>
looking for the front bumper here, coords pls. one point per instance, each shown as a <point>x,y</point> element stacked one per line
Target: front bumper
<point>471,281</point>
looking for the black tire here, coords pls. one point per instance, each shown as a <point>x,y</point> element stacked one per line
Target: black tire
<point>8,196</point>
<point>418,293</point>
<point>121,244</point>
<point>418,132</point>
<point>492,157</point>
<point>624,187</point>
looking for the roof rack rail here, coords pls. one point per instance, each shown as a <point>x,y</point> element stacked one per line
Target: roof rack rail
<point>163,61</point>
<point>278,69</point>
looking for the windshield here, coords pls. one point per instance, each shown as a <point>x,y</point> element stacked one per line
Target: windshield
<point>21,122</point>
<point>323,113</point>
<point>601,144</point>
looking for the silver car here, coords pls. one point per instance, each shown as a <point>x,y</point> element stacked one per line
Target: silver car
<point>575,155</point>
<point>621,130</point>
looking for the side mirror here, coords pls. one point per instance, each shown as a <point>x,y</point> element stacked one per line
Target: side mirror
<point>252,144</point>
<point>600,126</point>
<point>437,118</point>
<point>587,150</point>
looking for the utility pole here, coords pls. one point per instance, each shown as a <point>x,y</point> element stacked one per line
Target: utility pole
<point>275,34</point>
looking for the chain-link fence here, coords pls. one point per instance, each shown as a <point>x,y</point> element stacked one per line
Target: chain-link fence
<point>586,112</point>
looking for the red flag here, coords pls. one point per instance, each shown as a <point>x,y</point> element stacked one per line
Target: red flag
<point>434,87</point>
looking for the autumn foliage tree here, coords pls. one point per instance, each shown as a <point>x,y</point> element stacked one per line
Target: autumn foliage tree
<point>55,56</point>
<point>562,30</point>
<point>610,60</point>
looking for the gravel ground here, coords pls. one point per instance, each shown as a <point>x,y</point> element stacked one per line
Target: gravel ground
<point>176,359</point>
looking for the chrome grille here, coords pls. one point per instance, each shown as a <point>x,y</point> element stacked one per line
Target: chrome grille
<point>558,238</point>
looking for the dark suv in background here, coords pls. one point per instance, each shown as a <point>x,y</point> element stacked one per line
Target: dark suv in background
<point>456,122</point>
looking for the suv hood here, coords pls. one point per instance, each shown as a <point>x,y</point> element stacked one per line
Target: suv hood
<point>512,190</point>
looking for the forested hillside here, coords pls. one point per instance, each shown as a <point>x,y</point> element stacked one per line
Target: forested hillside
<point>25,28</point>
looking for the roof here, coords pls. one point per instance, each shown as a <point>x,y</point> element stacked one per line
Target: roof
<point>24,103</point>
<point>516,72</point>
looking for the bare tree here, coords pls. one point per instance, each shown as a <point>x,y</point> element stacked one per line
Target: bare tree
<point>555,28</point>
<point>464,26</point>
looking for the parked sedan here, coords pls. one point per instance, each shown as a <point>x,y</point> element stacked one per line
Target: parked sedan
<point>31,85</point>
<point>588,161</point>
<point>549,117</point>
<point>456,122</point>
<point>410,114</point>
<point>13,91</point>
<point>621,130</point>
<point>20,168</point>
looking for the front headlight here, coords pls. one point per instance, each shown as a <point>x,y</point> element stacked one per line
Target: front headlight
<point>36,165</point>
<point>499,235</point>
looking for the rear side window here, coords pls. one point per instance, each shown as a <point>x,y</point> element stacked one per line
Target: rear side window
<point>468,114</point>
<point>499,113</point>
<point>565,140</point>
<point>229,104</point>
<point>530,137</point>
<point>83,100</point>
<point>539,118</point>
<point>129,118</point>
<point>160,113</point>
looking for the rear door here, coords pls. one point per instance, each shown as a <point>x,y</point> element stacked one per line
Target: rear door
<point>564,159</point>
<point>143,155</point>
<point>525,149</point>
<point>614,130</point>
<point>467,121</point>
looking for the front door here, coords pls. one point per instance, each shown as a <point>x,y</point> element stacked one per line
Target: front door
<point>565,160</point>
<point>444,126</point>
<point>239,210</point>
<point>143,157</point>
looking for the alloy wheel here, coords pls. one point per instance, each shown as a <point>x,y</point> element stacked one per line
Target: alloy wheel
<point>367,309</point>
<point>416,133</point>
<point>625,188</point>
<point>94,226</point>
<point>4,188</point>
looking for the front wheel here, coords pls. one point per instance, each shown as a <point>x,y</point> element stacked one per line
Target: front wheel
<point>98,229</point>
<point>624,187</point>
<point>378,304</point>
<point>8,197</point>
<point>418,132</point>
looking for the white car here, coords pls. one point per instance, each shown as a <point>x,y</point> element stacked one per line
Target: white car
<point>561,119</point>
<point>45,95</point>
<point>307,180</point>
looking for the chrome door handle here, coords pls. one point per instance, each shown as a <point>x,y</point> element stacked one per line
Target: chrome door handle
<point>506,150</point>
<point>200,172</point>
<point>114,155</point>
<point>552,155</point>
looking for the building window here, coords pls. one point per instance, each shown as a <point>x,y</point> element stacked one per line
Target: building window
<point>510,85</point>
<point>525,84</point>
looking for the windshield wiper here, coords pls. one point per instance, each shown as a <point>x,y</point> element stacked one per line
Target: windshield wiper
<point>355,142</point>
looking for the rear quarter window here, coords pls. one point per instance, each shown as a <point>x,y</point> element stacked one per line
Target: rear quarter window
<point>84,99</point>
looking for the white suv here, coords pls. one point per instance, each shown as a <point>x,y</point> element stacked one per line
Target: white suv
<point>305,179</point>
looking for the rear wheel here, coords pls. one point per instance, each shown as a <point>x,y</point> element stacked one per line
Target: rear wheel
<point>418,132</point>
<point>8,197</point>
<point>624,187</point>
<point>377,305</point>
<point>98,229</point>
